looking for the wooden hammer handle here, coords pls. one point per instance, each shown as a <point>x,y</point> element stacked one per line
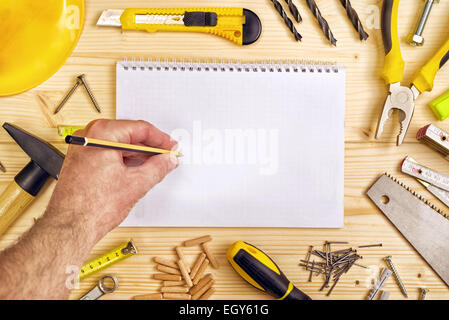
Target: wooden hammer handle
<point>13,201</point>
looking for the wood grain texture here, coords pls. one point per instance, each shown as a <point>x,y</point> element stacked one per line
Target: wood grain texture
<point>365,157</point>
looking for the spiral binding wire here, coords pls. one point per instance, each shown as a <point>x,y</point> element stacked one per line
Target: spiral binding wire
<point>214,65</point>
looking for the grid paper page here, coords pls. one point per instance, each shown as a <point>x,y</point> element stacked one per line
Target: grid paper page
<point>261,149</point>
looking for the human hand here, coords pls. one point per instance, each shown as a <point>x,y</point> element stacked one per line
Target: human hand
<point>98,187</point>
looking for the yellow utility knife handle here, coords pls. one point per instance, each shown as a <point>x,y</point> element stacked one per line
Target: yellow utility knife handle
<point>423,79</point>
<point>230,21</point>
<point>394,64</point>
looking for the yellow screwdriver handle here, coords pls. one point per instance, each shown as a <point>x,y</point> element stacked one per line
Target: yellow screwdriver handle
<point>423,79</point>
<point>261,272</point>
<point>13,201</point>
<point>393,70</point>
<point>230,21</point>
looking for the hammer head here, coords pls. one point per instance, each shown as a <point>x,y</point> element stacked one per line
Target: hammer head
<point>41,152</point>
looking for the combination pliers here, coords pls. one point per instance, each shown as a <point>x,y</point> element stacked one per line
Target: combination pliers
<point>401,97</point>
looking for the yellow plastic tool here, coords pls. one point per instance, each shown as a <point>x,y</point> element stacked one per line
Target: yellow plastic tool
<point>123,251</point>
<point>261,272</point>
<point>36,39</point>
<point>238,25</point>
<point>401,97</point>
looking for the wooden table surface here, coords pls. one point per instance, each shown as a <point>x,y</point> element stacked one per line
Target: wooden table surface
<point>365,158</point>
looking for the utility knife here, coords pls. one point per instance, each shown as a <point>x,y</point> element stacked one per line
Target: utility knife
<point>241,26</point>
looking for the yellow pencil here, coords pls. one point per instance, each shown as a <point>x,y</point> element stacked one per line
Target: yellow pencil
<point>82,141</point>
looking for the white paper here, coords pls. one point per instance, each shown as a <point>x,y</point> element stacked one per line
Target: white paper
<point>261,149</point>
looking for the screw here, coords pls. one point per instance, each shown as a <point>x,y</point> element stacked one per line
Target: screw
<point>416,39</point>
<point>396,275</point>
<point>83,81</point>
<point>423,293</point>
<point>68,95</point>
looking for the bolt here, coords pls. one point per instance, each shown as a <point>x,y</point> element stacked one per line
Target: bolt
<point>416,39</point>
<point>423,293</point>
<point>83,81</point>
<point>396,275</point>
<point>68,95</point>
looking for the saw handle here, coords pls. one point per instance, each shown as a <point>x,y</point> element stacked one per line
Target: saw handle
<point>423,79</point>
<point>13,201</point>
<point>229,24</point>
<point>394,65</point>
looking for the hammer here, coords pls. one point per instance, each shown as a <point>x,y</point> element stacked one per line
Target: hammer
<point>46,161</point>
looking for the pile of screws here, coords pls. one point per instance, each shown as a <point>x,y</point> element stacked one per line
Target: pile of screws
<point>334,264</point>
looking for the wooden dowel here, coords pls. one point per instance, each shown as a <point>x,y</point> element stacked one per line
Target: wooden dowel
<point>166,276</point>
<point>175,289</point>
<point>200,292</point>
<point>182,257</point>
<point>207,294</point>
<point>210,256</point>
<point>166,262</point>
<point>173,283</point>
<point>166,269</point>
<point>201,271</point>
<point>176,296</point>
<point>201,283</point>
<point>148,296</point>
<point>197,265</point>
<point>196,241</point>
<point>185,273</point>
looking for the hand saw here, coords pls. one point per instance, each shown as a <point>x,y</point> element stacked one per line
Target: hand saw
<point>239,25</point>
<point>435,182</point>
<point>424,226</point>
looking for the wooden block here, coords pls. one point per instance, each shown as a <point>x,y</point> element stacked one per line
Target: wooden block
<point>149,296</point>
<point>175,289</point>
<point>166,262</point>
<point>173,283</point>
<point>201,283</point>
<point>166,269</point>
<point>197,265</point>
<point>203,290</point>
<point>182,257</point>
<point>207,294</point>
<point>166,276</point>
<point>176,296</point>
<point>210,256</point>
<point>200,272</point>
<point>185,273</point>
<point>197,241</point>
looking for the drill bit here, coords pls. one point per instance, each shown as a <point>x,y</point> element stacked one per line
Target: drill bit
<point>321,21</point>
<point>353,16</point>
<point>287,20</point>
<point>294,10</point>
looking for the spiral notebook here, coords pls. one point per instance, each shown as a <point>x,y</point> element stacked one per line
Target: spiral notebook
<point>263,144</point>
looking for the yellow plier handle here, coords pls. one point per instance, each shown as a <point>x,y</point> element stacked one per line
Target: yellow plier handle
<point>393,70</point>
<point>229,24</point>
<point>423,79</point>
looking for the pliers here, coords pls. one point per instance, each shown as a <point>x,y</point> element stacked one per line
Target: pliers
<point>401,97</point>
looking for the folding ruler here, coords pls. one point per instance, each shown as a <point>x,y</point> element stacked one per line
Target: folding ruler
<point>435,182</point>
<point>435,138</point>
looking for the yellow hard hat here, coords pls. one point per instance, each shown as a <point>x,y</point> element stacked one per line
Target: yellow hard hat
<point>36,39</point>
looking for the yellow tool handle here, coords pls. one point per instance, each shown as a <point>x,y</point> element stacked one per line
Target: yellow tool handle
<point>423,79</point>
<point>230,21</point>
<point>13,201</point>
<point>261,272</point>
<point>393,70</point>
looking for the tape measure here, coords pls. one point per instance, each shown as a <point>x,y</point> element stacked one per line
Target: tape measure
<point>435,182</point>
<point>123,251</point>
<point>64,131</point>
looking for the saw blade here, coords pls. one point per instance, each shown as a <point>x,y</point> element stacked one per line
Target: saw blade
<point>416,219</point>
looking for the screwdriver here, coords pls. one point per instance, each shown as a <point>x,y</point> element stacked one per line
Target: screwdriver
<point>261,272</point>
